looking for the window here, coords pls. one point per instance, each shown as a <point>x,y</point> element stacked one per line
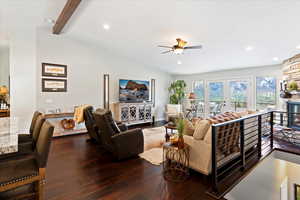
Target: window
<point>238,94</point>
<point>216,97</point>
<point>216,91</point>
<point>265,92</point>
<point>198,89</point>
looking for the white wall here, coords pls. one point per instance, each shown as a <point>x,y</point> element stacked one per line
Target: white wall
<point>4,65</point>
<point>87,63</point>
<point>23,75</point>
<point>245,73</point>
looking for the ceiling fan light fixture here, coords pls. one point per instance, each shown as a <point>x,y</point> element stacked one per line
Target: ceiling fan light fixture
<point>178,51</point>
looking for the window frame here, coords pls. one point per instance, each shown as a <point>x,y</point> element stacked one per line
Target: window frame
<point>276,90</point>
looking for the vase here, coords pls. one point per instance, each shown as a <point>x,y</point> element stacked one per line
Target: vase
<point>180,143</point>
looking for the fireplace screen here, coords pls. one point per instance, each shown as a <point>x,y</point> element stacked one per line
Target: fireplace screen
<point>294,115</point>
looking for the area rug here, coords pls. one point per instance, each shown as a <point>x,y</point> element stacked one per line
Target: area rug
<point>154,138</point>
<point>154,156</point>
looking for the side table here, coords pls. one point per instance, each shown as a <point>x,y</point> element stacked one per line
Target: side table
<point>176,162</point>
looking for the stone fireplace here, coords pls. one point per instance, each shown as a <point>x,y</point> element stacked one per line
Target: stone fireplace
<point>290,90</point>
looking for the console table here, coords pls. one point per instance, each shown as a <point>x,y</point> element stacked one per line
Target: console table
<point>4,112</point>
<point>133,113</point>
<point>56,118</point>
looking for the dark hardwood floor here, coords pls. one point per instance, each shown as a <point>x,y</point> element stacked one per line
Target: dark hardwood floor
<point>79,170</point>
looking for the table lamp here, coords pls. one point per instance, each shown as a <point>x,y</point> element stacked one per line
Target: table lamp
<point>3,90</point>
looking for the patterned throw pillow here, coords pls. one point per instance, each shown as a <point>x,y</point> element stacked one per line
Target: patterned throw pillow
<point>201,129</point>
<point>196,119</point>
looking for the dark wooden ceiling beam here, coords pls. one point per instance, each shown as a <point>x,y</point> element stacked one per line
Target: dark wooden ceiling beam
<point>65,15</point>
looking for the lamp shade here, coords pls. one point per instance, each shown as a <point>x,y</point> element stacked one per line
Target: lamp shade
<point>3,90</point>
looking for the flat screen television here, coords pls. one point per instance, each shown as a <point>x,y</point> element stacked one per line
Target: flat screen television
<point>133,90</point>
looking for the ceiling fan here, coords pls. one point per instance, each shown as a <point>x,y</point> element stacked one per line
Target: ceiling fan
<point>179,47</point>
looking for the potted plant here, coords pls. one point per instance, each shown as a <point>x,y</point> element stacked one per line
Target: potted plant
<point>180,127</point>
<point>177,89</point>
<point>293,86</point>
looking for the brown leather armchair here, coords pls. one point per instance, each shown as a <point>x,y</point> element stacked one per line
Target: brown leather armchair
<point>116,138</point>
<point>90,124</point>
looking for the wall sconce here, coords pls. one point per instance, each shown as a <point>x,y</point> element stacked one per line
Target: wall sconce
<point>153,91</point>
<point>106,92</point>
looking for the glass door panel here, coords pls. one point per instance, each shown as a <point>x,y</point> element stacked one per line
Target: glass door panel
<point>216,98</point>
<point>265,92</point>
<point>238,95</point>
<point>199,104</point>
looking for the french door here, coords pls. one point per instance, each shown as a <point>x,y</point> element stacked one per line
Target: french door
<point>239,95</point>
<point>228,95</point>
<point>216,97</point>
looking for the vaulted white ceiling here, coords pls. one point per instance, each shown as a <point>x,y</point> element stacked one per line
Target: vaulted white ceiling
<point>224,28</point>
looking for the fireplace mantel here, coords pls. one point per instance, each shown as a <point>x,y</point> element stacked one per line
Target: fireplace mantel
<point>291,73</point>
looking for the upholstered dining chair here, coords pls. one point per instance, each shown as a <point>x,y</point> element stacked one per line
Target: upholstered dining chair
<point>27,147</point>
<point>19,172</point>
<point>28,137</point>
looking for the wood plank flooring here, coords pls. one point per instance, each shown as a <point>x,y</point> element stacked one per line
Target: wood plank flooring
<point>79,170</point>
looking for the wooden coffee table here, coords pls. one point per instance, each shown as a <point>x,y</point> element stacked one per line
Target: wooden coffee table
<point>171,128</point>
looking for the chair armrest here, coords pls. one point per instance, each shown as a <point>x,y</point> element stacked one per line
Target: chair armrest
<point>122,127</point>
<point>12,157</point>
<point>128,143</point>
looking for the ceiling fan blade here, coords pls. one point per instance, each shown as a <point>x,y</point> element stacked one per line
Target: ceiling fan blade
<point>193,47</point>
<point>165,46</point>
<point>166,51</point>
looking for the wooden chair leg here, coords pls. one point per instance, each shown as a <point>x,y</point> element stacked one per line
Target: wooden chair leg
<point>41,184</point>
<point>41,190</point>
<point>37,190</point>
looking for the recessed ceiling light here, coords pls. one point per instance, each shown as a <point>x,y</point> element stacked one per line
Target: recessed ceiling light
<point>275,58</point>
<point>298,47</point>
<point>106,26</point>
<point>179,62</point>
<point>49,20</point>
<point>249,48</point>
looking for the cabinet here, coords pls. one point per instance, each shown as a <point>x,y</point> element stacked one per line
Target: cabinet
<point>132,113</point>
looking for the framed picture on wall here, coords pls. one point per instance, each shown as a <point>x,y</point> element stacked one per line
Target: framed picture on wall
<point>54,70</point>
<point>54,85</point>
<point>297,192</point>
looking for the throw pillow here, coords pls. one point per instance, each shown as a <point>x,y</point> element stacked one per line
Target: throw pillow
<point>196,119</point>
<point>201,129</point>
<point>188,128</point>
<point>207,138</point>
